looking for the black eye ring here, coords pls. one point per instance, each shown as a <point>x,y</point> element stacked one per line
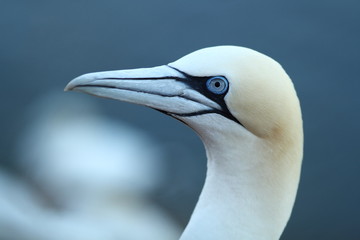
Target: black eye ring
<point>217,85</point>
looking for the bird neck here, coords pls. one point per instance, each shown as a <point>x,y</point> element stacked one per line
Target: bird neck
<point>249,189</point>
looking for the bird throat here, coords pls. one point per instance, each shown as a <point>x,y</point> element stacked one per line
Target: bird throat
<point>248,194</point>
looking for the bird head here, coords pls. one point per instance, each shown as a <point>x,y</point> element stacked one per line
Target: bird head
<point>223,85</point>
<point>244,107</point>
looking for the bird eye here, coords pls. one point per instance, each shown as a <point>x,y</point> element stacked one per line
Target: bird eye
<point>217,85</point>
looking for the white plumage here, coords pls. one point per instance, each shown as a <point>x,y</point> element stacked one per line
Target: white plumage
<point>244,107</point>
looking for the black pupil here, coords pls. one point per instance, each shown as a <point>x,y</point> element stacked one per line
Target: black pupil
<point>217,84</point>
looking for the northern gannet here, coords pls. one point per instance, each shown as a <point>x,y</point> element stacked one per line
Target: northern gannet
<point>245,109</point>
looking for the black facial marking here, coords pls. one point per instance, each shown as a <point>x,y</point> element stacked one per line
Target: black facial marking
<point>199,84</point>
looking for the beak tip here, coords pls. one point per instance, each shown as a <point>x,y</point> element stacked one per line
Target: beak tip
<point>75,82</point>
<point>69,87</point>
<point>83,79</point>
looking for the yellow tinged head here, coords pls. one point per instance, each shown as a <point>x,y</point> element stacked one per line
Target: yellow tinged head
<point>261,95</point>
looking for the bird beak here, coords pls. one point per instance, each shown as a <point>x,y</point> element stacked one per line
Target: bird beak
<point>163,88</point>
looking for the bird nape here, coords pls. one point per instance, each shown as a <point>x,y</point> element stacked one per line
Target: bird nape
<point>245,109</point>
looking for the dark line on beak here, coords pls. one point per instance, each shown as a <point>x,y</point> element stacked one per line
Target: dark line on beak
<point>153,78</point>
<point>162,95</point>
<point>147,78</point>
<point>128,89</point>
<point>139,91</point>
<point>183,73</point>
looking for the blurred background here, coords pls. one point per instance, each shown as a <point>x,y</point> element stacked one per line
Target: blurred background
<point>59,174</point>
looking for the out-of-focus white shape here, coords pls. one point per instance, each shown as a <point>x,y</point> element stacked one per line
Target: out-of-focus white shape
<point>70,147</point>
<point>16,202</point>
<point>98,172</point>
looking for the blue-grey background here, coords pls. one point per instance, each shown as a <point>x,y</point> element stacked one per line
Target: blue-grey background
<point>44,44</point>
